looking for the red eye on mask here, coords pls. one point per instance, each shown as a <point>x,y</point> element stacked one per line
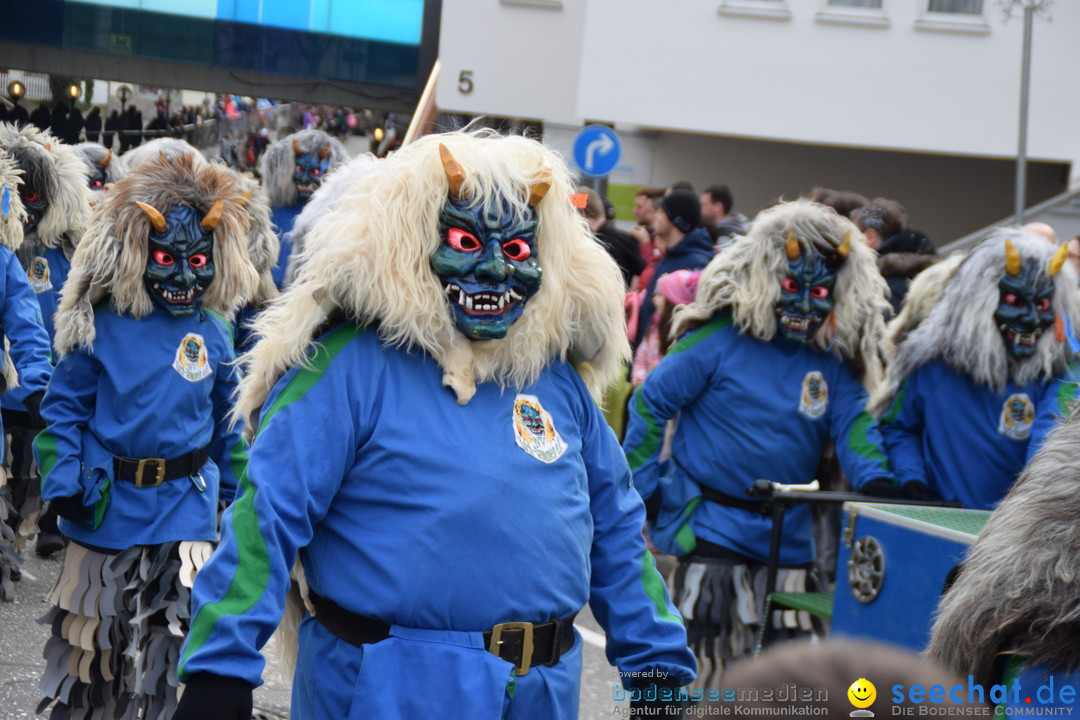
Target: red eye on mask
<point>198,261</point>
<point>461,240</point>
<point>1011,299</point>
<point>1042,304</point>
<point>789,285</point>
<point>819,292</point>
<point>517,249</point>
<point>30,195</point>
<point>163,258</point>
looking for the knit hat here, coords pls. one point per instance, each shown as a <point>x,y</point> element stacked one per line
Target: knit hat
<point>679,287</point>
<point>683,208</point>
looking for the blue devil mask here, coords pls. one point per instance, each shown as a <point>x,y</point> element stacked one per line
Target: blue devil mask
<point>806,295</point>
<point>1025,307</point>
<point>310,169</point>
<point>180,264</point>
<point>487,261</point>
<point>35,203</point>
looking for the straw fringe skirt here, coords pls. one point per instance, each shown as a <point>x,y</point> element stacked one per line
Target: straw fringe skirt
<point>118,621</point>
<point>722,603</point>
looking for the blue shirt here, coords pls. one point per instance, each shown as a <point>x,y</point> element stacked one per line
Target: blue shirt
<point>967,442</point>
<point>408,507</point>
<point>159,387</point>
<point>748,409</point>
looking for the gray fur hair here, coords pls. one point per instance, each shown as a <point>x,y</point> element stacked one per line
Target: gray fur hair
<point>1019,588</point>
<point>745,279</point>
<point>111,260</point>
<point>151,149</point>
<point>278,162</point>
<point>11,231</point>
<point>53,167</point>
<point>961,331</point>
<point>92,156</point>
<point>320,203</point>
<point>369,256</point>
<point>263,244</point>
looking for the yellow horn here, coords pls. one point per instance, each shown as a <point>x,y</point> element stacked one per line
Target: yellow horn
<point>296,148</point>
<point>539,188</point>
<point>212,218</point>
<point>156,218</point>
<point>1012,258</point>
<point>1059,259</point>
<point>793,251</point>
<point>245,197</point>
<point>455,174</point>
<point>845,247</point>
<point>324,152</point>
<point>106,160</point>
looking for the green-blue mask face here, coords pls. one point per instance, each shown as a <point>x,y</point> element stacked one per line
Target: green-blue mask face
<point>488,267</point>
<point>1025,309</point>
<point>806,297</point>
<point>180,264</point>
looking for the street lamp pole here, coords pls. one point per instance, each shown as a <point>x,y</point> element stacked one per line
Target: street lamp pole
<point>1030,8</point>
<point>1025,85</point>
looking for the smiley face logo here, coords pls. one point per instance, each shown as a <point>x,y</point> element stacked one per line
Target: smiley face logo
<point>862,693</point>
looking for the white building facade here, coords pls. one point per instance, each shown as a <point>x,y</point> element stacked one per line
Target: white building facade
<point>916,100</point>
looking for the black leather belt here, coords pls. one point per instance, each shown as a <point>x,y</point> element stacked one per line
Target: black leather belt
<point>758,507</point>
<point>522,643</point>
<point>151,472</point>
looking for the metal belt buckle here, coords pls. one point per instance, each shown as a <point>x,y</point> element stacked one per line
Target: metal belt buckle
<point>159,476</point>
<point>526,629</point>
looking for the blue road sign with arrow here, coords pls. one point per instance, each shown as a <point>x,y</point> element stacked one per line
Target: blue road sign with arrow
<point>596,150</point>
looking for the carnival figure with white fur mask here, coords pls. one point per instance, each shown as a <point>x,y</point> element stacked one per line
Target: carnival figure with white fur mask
<point>57,202</point>
<point>774,357</point>
<point>102,166</point>
<point>26,367</point>
<point>419,304</point>
<point>292,169</point>
<point>975,387</point>
<point>138,453</point>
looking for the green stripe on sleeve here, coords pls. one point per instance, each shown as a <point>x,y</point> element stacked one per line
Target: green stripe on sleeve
<point>655,589</point>
<point>252,575</point>
<point>654,431</point>
<point>1066,398</point>
<point>45,442</point>
<point>654,434</point>
<point>859,440</point>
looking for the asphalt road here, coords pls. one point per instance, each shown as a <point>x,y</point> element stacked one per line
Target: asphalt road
<point>22,640</point>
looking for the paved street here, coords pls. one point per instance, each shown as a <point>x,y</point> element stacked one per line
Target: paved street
<point>22,640</point>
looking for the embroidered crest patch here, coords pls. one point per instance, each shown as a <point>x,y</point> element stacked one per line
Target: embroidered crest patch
<point>192,360</point>
<point>814,398</point>
<point>38,274</point>
<point>534,430</point>
<point>1017,415</point>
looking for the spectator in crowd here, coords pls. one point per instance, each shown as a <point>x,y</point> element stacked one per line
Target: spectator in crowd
<point>844,202</point>
<point>1074,253</point>
<point>673,290</point>
<point>58,120</point>
<point>74,127</point>
<point>114,125</point>
<point>646,201</point>
<point>718,217</point>
<point>18,115</point>
<point>41,118</point>
<point>684,243</point>
<point>619,245</point>
<point>93,125</point>
<point>1044,229</point>
<point>902,252</point>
